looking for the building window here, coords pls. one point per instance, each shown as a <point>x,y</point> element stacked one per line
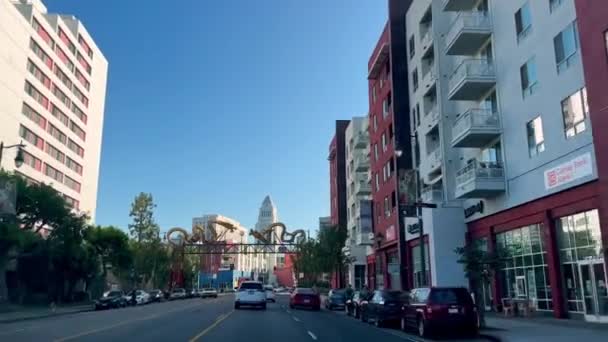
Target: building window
<point>31,137</point>
<point>60,115</point>
<point>71,202</point>
<point>43,33</point>
<point>41,54</point>
<point>387,208</point>
<point>57,134</point>
<point>75,148</point>
<point>72,184</point>
<point>383,142</point>
<point>524,272</point>
<point>66,40</point>
<point>415,79</point>
<point>32,161</point>
<point>61,96</point>
<point>375,122</point>
<point>55,153</point>
<point>554,4</point>
<point>53,173</point>
<point>374,98</point>
<point>579,239</point>
<point>64,58</point>
<point>79,131</point>
<point>536,138</point>
<point>36,95</point>
<point>575,111</point>
<point>529,81</point>
<point>79,113</point>
<point>390,132</point>
<point>523,22</point>
<point>40,76</point>
<point>421,279</point>
<point>83,80</point>
<point>383,173</point>
<point>80,96</point>
<point>391,165</point>
<point>386,106</point>
<point>566,47</point>
<point>85,46</point>
<point>376,152</point>
<point>377,182</point>
<point>33,115</point>
<point>412,47</point>
<point>84,64</point>
<point>606,42</point>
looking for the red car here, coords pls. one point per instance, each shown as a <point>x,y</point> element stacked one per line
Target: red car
<point>305,298</point>
<point>434,309</point>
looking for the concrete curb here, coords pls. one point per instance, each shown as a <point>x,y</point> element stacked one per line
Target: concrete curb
<point>45,315</point>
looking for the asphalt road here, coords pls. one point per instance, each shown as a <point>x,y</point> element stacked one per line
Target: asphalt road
<point>201,320</point>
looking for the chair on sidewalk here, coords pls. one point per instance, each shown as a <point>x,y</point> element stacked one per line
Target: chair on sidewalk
<point>507,307</point>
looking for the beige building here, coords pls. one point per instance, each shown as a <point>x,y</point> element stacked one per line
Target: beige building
<point>52,97</point>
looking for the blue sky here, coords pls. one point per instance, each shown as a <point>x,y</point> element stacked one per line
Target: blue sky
<point>211,104</point>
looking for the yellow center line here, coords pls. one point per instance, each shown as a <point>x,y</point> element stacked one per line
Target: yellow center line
<point>94,331</point>
<point>209,328</point>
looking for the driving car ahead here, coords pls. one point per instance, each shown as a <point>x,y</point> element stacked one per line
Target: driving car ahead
<point>269,293</point>
<point>111,299</point>
<point>177,293</point>
<point>336,299</point>
<point>433,309</point>
<point>250,293</point>
<point>303,297</point>
<point>384,306</point>
<point>208,293</point>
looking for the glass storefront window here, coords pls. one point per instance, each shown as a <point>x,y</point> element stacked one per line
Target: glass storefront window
<point>420,280</point>
<point>524,272</point>
<point>579,238</point>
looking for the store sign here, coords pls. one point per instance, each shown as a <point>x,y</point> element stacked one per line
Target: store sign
<point>390,233</point>
<point>568,172</point>
<point>472,210</point>
<point>413,228</point>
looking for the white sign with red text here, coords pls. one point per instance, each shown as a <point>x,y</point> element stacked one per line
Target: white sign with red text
<point>572,170</point>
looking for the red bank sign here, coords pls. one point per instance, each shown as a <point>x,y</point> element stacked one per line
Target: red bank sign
<point>572,170</point>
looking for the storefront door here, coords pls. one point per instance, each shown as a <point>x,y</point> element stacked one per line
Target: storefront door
<point>592,274</point>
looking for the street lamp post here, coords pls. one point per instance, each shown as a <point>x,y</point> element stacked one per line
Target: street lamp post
<point>19,158</point>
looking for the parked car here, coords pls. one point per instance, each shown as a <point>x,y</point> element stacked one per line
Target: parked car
<point>384,306</point>
<point>353,305</point>
<point>209,293</point>
<point>137,297</point>
<point>303,297</point>
<point>250,293</point>
<point>270,293</point>
<point>191,293</point>
<point>110,300</point>
<point>433,309</point>
<point>156,296</point>
<point>336,299</point>
<point>177,293</point>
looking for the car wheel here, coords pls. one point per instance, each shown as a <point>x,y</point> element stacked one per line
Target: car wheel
<point>422,327</point>
<point>378,322</point>
<point>347,311</point>
<point>237,306</point>
<point>403,324</point>
<point>355,313</point>
<point>363,318</point>
<point>264,306</point>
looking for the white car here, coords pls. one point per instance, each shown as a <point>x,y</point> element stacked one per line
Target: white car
<point>208,293</point>
<point>177,293</point>
<point>250,293</point>
<point>142,297</point>
<point>269,293</point>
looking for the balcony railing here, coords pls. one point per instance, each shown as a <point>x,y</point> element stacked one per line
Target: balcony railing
<point>429,79</point>
<point>361,162</point>
<point>468,33</point>
<point>430,194</point>
<point>472,79</point>
<point>361,140</point>
<point>480,180</point>
<point>427,41</point>
<point>363,188</point>
<point>475,128</point>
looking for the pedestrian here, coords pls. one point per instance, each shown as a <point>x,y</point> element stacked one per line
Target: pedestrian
<point>349,292</point>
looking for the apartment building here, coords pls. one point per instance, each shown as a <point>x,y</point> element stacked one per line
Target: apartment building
<point>390,146</point>
<point>508,107</point>
<point>358,200</point>
<point>52,97</point>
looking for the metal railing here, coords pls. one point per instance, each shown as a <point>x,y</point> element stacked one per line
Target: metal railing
<point>361,140</point>
<point>475,118</point>
<point>430,76</point>
<point>431,193</point>
<point>427,38</point>
<point>464,20</point>
<point>362,187</point>
<point>476,169</point>
<point>471,68</point>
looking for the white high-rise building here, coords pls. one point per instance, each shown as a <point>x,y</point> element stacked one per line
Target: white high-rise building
<point>52,97</point>
<point>358,196</point>
<point>265,264</point>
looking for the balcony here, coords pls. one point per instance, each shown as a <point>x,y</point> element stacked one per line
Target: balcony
<point>363,188</point>
<point>480,180</point>
<point>361,162</point>
<point>433,161</point>
<point>378,62</point>
<point>429,81</point>
<point>459,5</point>
<point>468,33</point>
<point>431,194</point>
<point>427,43</point>
<point>432,117</point>
<point>361,140</point>
<point>471,80</point>
<point>475,128</point>
<point>362,238</point>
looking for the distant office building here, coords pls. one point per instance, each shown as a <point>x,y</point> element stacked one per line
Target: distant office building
<point>324,223</point>
<point>264,265</point>
<point>212,262</point>
<point>52,98</point>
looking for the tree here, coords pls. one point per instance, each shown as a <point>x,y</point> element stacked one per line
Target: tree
<point>479,267</point>
<point>39,206</point>
<point>111,245</point>
<point>143,228</point>
<point>9,240</point>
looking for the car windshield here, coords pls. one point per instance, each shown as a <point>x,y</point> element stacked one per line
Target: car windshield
<point>450,296</point>
<point>251,286</point>
<point>113,294</point>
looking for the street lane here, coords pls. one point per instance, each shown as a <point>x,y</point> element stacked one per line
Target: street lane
<point>202,320</point>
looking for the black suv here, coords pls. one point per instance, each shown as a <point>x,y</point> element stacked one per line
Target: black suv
<point>110,300</point>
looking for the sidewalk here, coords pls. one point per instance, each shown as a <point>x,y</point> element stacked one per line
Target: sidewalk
<point>544,329</point>
<point>15,313</point>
